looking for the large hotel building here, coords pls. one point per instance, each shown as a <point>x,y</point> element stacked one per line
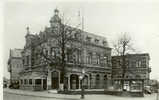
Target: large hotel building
<point>91,53</point>
<point>86,54</point>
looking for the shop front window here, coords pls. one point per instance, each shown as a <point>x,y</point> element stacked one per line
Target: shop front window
<point>25,81</point>
<point>30,81</point>
<point>38,81</point>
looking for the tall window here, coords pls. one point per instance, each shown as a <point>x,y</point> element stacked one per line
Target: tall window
<point>30,81</point>
<point>98,59</point>
<point>69,56</point>
<point>27,60</point>
<point>78,56</point>
<point>53,52</point>
<point>23,61</point>
<point>105,60</point>
<point>97,80</point>
<point>25,81</point>
<point>143,63</point>
<point>89,58</point>
<point>97,77</point>
<point>138,63</point>
<point>21,81</point>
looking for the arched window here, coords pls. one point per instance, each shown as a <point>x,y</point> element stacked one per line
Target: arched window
<point>105,77</point>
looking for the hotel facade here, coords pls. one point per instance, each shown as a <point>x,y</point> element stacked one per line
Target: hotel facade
<point>86,55</point>
<point>91,54</point>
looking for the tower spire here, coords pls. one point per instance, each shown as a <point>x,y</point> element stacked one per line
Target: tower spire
<point>28,31</point>
<point>56,11</point>
<point>82,23</point>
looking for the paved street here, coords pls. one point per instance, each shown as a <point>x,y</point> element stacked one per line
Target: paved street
<point>11,96</point>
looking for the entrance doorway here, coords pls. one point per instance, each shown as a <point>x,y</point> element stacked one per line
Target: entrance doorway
<point>97,81</point>
<point>55,80</point>
<point>85,82</point>
<point>44,84</point>
<point>74,81</point>
<point>105,85</point>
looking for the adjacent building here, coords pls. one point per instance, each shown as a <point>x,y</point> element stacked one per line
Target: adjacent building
<point>91,55</point>
<point>137,68</point>
<point>15,65</point>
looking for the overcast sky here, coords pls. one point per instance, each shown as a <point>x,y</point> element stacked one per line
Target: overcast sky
<point>109,19</point>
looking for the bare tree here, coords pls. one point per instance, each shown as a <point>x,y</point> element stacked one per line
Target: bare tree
<point>64,35</point>
<point>122,47</point>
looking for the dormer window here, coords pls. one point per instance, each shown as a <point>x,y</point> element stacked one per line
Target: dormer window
<point>77,35</point>
<point>88,39</point>
<point>96,41</point>
<point>105,43</point>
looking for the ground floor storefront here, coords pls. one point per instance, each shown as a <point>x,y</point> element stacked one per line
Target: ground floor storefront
<point>128,84</point>
<point>51,80</point>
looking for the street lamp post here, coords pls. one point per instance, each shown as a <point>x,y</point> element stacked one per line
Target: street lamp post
<point>157,91</point>
<point>82,86</point>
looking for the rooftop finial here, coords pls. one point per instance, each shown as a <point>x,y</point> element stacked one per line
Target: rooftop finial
<point>56,11</point>
<point>27,30</point>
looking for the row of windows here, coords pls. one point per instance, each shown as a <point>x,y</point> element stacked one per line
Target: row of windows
<point>98,77</point>
<point>98,59</point>
<point>140,63</point>
<point>26,60</point>
<point>137,76</point>
<point>18,66</point>
<point>30,81</point>
<point>76,35</point>
<point>75,57</point>
<point>38,81</point>
<point>89,39</point>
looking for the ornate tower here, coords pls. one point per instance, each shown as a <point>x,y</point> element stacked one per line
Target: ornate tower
<point>28,37</point>
<point>55,21</point>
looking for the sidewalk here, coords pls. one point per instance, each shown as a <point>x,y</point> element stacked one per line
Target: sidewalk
<point>47,94</point>
<point>43,94</point>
